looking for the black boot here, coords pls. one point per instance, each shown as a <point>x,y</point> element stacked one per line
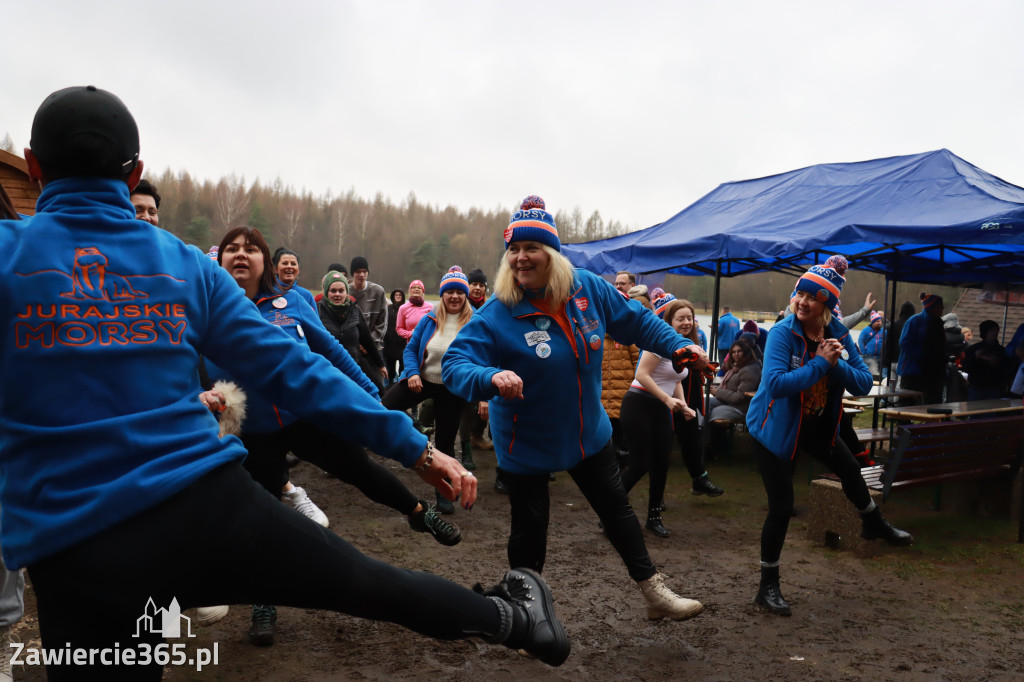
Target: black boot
<point>769,594</point>
<point>443,505</point>
<point>877,528</point>
<point>704,486</point>
<point>654,523</point>
<point>467,456</point>
<point>527,614</point>
<point>499,482</point>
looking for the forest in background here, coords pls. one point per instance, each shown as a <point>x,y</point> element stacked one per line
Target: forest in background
<point>402,241</point>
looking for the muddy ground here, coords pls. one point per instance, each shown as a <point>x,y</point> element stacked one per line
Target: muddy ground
<point>949,608</point>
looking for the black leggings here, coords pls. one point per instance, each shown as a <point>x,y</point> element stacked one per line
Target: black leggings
<point>690,442</point>
<point>224,540</point>
<point>448,409</point>
<point>777,475</point>
<point>344,459</point>
<point>598,479</point>
<point>647,430</point>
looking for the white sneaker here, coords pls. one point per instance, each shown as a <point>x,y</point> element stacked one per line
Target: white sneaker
<point>664,603</point>
<point>298,498</point>
<point>208,615</point>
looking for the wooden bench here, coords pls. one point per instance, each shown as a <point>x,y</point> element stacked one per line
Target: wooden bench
<point>869,435</point>
<point>947,452</point>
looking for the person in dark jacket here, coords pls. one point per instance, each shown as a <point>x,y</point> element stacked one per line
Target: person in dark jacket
<point>340,316</point>
<point>988,369</point>
<point>394,345</point>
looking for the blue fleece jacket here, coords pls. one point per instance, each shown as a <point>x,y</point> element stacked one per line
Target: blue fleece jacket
<point>104,318</point>
<point>775,411</point>
<point>304,293</point>
<point>302,325</point>
<point>871,341</point>
<point>561,419</point>
<point>412,356</point>
<point>728,330</point>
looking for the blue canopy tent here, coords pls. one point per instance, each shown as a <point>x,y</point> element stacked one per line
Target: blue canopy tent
<point>928,218</point>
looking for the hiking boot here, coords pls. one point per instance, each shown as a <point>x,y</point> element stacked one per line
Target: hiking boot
<point>769,594</point>
<point>444,506</point>
<point>481,443</point>
<point>875,527</point>
<point>528,616</point>
<point>704,486</point>
<point>664,603</point>
<point>467,456</point>
<point>655,525</point>
<point>208,615</point>
<point>264,620</point>
<point>298,499</point>
<point>291,460</point>
<point>427,520</point>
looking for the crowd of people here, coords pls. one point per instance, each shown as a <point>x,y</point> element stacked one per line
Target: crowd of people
<point>235,365</point>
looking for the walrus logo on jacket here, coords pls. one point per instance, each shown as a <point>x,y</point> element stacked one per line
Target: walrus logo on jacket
<point>90,279</point>
<point>100,307</point>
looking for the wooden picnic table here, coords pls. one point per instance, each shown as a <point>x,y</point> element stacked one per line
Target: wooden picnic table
<point>879,393</point>
<point>971,408</point>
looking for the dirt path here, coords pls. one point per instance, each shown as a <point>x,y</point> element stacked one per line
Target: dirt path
<point>936,611</point>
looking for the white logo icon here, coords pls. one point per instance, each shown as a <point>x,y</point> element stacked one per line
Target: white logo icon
<point>165,622</point>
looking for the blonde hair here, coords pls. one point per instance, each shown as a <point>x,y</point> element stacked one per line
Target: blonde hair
<point>674,307</point>
<point>441,313</point>
<point>560,274</point>
<point>826,315</point>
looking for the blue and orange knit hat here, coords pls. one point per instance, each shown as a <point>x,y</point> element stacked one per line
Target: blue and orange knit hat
<point>661,304</point>
<point>875,316</point>
<point>928,300</point>
<point>454,279</point>
<point>532,223</point>
<point>824,282</point>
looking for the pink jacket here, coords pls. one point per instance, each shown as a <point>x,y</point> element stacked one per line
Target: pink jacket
<point>409,316</point>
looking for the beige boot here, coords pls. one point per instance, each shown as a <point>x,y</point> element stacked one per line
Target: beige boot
<point>664,603</point>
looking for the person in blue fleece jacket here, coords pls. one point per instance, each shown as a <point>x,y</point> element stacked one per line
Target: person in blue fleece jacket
<point>534,351</point>
<point>114,485</point>
<point>809,360</point>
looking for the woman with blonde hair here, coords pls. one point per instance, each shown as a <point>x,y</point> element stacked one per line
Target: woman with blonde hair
<point>534,351</point>
<point>809,360</point>
<point>421,379</point>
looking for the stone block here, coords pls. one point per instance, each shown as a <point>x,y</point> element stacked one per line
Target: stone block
<point>833,521</point>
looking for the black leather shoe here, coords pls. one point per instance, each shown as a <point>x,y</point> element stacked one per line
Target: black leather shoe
<point>704,486</point>
<point>769,597</point>
<point>545,637</point>
<point>875,527</point>
<point>655,525</point>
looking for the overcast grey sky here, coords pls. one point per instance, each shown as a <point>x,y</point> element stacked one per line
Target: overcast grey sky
<point>633,109</point>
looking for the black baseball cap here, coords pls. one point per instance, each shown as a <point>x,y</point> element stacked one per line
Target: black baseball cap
<point>85,111</point>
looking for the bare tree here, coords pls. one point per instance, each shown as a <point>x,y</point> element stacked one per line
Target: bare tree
<point>294,212</point>
<point>338,222</point>
<point>7,144</point>
<point>232,201</point>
